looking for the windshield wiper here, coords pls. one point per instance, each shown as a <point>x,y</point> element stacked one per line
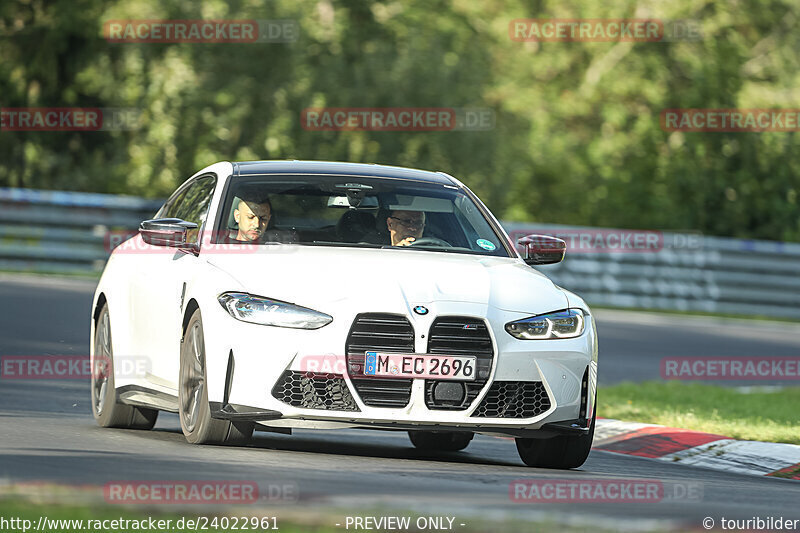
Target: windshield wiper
<point>336,243</point>
<point>451,250</point>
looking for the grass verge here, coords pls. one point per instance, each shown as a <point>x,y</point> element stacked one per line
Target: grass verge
<point>769,416</point>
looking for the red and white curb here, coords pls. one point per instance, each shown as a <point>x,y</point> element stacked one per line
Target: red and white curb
<point>698,449</point>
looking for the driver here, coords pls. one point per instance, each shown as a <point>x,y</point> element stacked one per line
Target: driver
<point>252,216</point>
<point>405,226</point>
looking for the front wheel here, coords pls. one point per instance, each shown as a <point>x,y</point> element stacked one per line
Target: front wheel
<point>563,452</point>
<point>440,441</point>
<point>107,410</point>
<point>195,414</point>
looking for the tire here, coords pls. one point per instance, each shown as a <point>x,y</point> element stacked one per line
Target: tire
<point>563,452</point>
<point>440,441</point>
<point>194,412</point>
<point>106,408</point>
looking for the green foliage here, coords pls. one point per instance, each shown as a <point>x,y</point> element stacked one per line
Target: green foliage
<point>577,137</point>
<point>764,415</point>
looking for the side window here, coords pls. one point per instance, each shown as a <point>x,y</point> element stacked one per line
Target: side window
<point>193,206</point>
<point>169,208</point>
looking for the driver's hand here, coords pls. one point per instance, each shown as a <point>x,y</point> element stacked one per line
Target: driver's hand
<point>406,242</point>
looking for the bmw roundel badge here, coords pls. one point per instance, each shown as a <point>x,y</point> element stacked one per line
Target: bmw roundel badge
<point>421,310</point>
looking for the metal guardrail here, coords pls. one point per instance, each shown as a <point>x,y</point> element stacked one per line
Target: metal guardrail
<point>65,232</point>
<point>689,272</point>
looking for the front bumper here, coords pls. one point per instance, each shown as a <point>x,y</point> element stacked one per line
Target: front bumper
<point>246,362</point>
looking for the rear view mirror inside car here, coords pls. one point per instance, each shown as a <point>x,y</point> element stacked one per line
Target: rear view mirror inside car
<point>368,202</point>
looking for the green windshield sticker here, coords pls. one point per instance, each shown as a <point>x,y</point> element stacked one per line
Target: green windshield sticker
<point>486,245</point>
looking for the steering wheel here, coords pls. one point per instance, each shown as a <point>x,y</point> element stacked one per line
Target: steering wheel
<point>431,241</point>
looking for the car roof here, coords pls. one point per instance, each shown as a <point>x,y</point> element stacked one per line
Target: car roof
<point>252,168</point>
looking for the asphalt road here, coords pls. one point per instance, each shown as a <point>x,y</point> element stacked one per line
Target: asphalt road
<point>48,434</point>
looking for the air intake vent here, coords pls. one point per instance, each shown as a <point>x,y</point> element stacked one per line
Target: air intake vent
<point>584,399</point>
<point>379,332</point>
<point>514,399</point>
<point>314,391</point>
<point>459,335</point>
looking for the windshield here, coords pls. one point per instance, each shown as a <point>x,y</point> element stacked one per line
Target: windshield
<point>357,212</point>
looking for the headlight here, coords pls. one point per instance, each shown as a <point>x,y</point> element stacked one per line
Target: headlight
<point>258,310</point>
<point>559,325</point>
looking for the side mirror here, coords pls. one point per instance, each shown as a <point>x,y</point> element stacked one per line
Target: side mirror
<point>166,232</point>
<point>543,249</point>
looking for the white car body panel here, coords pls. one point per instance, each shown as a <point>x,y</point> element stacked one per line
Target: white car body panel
<point>148,302</point>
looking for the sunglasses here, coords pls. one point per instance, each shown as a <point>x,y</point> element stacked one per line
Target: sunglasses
<point>411,224</point>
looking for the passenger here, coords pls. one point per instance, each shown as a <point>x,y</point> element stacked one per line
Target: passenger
<point>405,227</point>
<point>252,216</point>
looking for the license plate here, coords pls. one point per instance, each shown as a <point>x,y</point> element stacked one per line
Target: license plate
<point>398,365</point>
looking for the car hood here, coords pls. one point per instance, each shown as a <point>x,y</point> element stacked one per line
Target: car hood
<point>313,276</point>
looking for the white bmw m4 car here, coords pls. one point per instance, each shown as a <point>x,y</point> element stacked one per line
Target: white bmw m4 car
<point>275,295</point>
